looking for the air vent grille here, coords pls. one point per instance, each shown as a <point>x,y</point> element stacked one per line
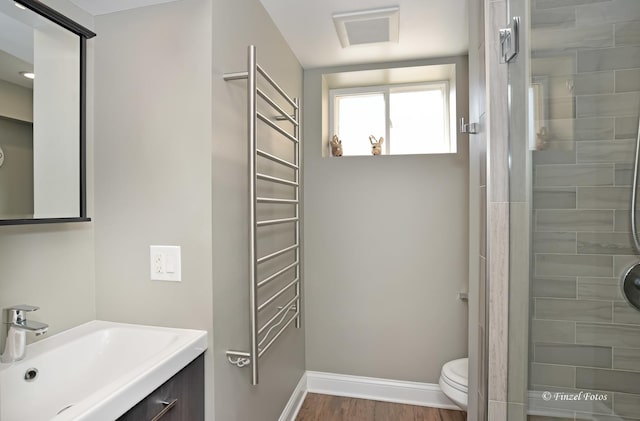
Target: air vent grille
<point>367,26</point>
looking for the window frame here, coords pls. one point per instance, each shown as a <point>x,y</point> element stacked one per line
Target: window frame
<point>386,91</point>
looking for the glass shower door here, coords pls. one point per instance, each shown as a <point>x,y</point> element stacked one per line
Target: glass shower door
<point>574,106</point>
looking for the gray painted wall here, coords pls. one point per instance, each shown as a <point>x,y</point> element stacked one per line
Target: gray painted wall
<point>153,165</point>
<point>52,266</point>
<point>56,174</point>
<point>163,176</point>
<point>16,174</point>
<point>16,101</point>
<point>386,252</point>
<point>237,24</point>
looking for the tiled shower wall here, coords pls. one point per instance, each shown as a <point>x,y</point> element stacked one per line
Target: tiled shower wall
<point>586,58</point>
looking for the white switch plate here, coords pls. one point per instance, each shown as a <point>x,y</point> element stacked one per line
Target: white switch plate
<point>165,263</point>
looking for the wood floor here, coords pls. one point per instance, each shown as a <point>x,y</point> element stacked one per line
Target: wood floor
<point>335,408</point>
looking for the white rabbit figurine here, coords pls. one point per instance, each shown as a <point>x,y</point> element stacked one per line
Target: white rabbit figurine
<point>336,146</point>
<point>376,145</point>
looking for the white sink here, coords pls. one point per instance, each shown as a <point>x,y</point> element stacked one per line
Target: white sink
<point>97,371</point>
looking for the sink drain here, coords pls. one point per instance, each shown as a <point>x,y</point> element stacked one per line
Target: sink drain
<point>31,374</point>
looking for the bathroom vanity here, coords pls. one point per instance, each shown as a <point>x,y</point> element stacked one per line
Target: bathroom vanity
<point>179,398</point>
<point>101,370</point>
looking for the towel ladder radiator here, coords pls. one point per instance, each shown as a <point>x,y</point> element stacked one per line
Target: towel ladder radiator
<point>263,336</point>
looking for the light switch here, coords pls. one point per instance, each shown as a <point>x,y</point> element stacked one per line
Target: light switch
<point>170,264</point>
<point>165,263</point>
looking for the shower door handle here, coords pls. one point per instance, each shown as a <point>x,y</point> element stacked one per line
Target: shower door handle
<point>468,128</point>
<point>510,41</point>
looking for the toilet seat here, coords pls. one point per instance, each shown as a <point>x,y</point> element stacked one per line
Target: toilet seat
<point>456,374</point>
<point>454,381</point>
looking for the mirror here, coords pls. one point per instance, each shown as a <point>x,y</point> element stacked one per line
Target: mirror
<point>42,115</point>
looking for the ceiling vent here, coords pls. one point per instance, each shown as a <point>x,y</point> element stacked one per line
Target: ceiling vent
<point>367,26</point>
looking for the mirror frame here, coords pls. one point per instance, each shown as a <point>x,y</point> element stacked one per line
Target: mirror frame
<point>84,34</point>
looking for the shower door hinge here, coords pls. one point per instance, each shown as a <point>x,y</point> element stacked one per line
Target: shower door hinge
<point>510,41</point>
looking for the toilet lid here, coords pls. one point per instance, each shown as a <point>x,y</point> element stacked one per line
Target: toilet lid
<point>457,371</point>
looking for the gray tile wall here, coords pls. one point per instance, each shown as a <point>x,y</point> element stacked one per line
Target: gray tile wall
<point>584,336</point>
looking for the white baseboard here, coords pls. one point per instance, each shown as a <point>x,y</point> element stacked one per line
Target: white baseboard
<point>412,393</point>
<point>295,401</point>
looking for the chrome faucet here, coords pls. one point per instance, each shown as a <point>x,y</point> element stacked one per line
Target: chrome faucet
<point>14,332</point>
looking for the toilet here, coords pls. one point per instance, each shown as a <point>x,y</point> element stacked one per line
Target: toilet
<point>454,381</point>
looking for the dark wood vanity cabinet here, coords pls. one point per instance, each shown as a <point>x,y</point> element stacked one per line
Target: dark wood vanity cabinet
<point>186,388</point>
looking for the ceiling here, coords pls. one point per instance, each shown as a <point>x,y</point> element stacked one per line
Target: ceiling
<point>102,7</point>
<point>428,28</point>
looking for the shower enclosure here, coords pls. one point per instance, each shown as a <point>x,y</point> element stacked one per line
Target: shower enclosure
<point>574,98</point>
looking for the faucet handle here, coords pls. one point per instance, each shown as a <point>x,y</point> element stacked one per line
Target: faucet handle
<point>23,307</point>
<point>17,313</point>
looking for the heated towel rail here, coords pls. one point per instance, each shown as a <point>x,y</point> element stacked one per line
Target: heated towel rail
<point>264,334</point>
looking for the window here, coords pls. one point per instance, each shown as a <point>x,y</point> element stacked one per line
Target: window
<point>412,118</point>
